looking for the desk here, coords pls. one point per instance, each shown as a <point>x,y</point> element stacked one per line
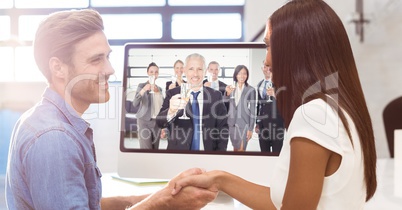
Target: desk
<point>222,202</point>
<point>384,198</point>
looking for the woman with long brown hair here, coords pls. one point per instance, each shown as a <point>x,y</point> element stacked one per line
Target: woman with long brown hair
<point>328,159</point>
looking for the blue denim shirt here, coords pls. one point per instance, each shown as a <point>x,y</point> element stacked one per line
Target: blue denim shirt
<point>52,162</point>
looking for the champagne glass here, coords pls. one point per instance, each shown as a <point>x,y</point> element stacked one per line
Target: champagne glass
<point>174,79</point>
<point>185,94</point>
<point>152,82</point>
<point>209,77</point>
<point>269,86</point>
<point>233,86</point>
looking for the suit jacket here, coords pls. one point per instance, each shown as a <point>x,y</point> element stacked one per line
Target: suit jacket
<point>214,122</point>
<point>144,102</point>
<point>267,112</point>
<point>244,114</point>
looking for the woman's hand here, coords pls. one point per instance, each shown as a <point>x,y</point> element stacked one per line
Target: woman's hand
<point>229,89</point>
<point>146,88</point>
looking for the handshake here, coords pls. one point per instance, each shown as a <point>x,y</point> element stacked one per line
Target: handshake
<point>191,189</point>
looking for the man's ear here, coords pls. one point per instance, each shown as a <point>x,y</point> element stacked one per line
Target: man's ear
<point>57,68</point>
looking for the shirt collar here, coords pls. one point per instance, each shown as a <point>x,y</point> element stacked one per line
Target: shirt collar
<point>71,115</point>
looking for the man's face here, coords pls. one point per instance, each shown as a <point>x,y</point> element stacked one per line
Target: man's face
<point>267,38</point>
<point>88,78</point>
<point>194,71</point>
<point>213,69</point>
<point>266,68</point>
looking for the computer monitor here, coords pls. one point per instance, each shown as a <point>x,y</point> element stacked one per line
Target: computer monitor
<point>135,162</point>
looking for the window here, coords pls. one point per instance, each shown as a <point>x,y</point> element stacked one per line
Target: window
<point>127,3</point>
<point>5,4</point>
<point>143,26</point>
<point>26,69</point>
<point>205,2</point>
<point>124,20</point>
<point>27,26</point>
<point>206,26</point>
<point>7,65</point>
<point>51,3</point>
<point>5,28</point>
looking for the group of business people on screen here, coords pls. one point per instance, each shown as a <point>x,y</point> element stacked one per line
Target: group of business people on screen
<point>202,113</point>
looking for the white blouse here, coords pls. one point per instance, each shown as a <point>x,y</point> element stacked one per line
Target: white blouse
<point>317,121</point>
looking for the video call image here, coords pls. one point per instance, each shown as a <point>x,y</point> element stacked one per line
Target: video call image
<point>152,71</point>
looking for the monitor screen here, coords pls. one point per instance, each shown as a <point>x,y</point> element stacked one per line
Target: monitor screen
<point>163,163</point>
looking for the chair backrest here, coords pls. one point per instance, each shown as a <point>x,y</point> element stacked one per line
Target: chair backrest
<point>392,117</point>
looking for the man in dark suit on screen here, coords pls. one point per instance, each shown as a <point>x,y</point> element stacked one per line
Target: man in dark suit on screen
<point>206,127</point>
<point>269,123</point>
<point>212,81</point>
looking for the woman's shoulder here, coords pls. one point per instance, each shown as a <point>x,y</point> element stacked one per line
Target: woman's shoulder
<point>316,116</point>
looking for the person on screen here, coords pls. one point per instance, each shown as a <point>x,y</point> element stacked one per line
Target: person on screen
<point>52,161</point>
<point>177,78</point>
<point>213,70</point>
<point>328,158</point>
<point>269,125</point>
<point>242,106</point>
<point>205,127</point>
<point>149,102</point>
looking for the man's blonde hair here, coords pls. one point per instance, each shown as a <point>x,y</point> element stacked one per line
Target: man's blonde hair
<point>58,34</point>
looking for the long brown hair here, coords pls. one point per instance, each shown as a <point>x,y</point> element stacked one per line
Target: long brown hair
<point>312,58</point>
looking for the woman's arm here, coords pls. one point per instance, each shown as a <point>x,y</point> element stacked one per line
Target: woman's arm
<point>308,167</point>
<point>141,89</point>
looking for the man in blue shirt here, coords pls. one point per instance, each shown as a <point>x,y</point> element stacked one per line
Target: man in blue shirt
<point>52,162</point>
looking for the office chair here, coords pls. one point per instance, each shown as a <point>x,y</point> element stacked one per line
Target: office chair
<point>392,117</point>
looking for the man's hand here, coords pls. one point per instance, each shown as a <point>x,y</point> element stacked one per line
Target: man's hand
<point>249,135</point>
<point>257,128</point>
<point>176,103</point>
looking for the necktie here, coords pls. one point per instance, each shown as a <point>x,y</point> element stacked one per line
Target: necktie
<point>264,90</point>
<point>195,144</point>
